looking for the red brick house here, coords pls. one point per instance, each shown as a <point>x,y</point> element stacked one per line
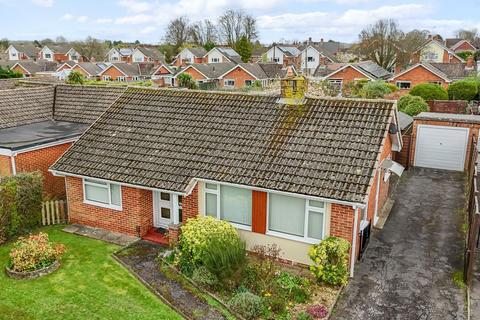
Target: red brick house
<point>22,51</point>
<point>30,68</point>
<point>459,45</point>
<point>39,124</point>
<point>60,53</point>
<point>266,164</point>
<point>163,75</point>
<point>127,72</point>
<point>90,70</point>
<point>189,56</point>
<point>434,51</point>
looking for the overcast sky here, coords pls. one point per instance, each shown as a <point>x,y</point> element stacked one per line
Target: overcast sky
<point>145,20</point>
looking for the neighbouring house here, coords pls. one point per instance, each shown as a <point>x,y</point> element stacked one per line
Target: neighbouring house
<point>340,74</point>
<point>281,169</point>
<point>67,65</point>
<point>436,52</point>
<point>205,74</point>
<point>30,68</point>
<point>459,45</point>
<point>189,56</point>
<point>144,54</point>
<point>258,54</point>
<point>333,47</point>
<point>285,55</point>
<point>439,73</point>
<point>313,56</point>
<point>222,54</point>
<point>127,72</point>
<point>24,51</point>
<point>60,53</point>
<point>38,124</point>
<point>163,75</point>
<point>120,55</point>
<point>90,70</point>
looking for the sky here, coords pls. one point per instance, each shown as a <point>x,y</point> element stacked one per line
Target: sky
<point>278,20</point>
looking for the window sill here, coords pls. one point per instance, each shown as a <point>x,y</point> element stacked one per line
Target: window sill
<point>240,226</point>
<point>291,237</point>
<point>103,205</point>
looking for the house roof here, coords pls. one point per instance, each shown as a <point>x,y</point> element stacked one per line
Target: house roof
<point>27,48</point>
<point>210,70</point>
<point>322,50</point>
<point>25,105</point>
<point>450,42</point>
<point>369,68</point>
<point>132,69</point>
<point>230,54</point>
<point>454,71</point>
<point>404,120</point>
<point>33,67</point>
<point>163,139</point>
<point>151,53</point>
<point>125,51</point>
<point>288,50</point>
<point>273,70</point>
<point>92,68</point>
<point>438,43</point>
<point>60,48</point>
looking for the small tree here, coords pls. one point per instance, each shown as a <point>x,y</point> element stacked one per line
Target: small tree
<point>186,81</point>
<point>75,77</point>
<point>463,90</point>
<point>412,105</point>
<point>375,90</point>
<point>244,48</point>
<point>330,260</point>
<point>429,91</point>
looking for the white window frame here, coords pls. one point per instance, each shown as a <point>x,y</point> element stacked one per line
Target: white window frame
<point>48,56</point>
<point>225,83</point>
<point>397,83</point>
<point>102,185</point>
<point>107,78</point>
<point>215,60</point>
<point>135,78</point>
<point>251,82</point>
<point>305,237</point>
<point>121,79</point>
<point>217,193</point>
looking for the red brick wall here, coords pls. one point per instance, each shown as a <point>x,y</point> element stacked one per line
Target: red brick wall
<point>402,157</point>
<point>465,46</point>
<point>41,160</point>
<point>348,74</point>
<point>341,223</point>
<point>114,73</point>
<point>137,210</point>
<point>195,74</point>
<point>419,75</point>
<point>448,106</point>
<point>190,205</point>
<point>239,75</point>
<point>20,70</point>
<point>5,166</point>
<point>77,68</point>
<point>65,67</point>
<point>447,58</point>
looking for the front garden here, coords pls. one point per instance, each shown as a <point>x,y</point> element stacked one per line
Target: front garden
<point>211,255</point>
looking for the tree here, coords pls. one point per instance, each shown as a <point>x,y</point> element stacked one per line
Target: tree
<point>209,46</point>
<point>466,34</point>
<point>379,42</point>
<point>7,73</point>
<point>137,42</point>
<point>244,48</point>
<point>91,48</point>
<point>186,81</point>
<point>412,105</point>
<point>178,31</point>
<point>61,39</point>
<point>75,77</point>
<point>429,91</point>
<point>46,41</point>
<point>466,89</point>
<point>234,24</point>
<point>203,32</point>
<point>409,44</point>
<point>250,28</point>
<point>4,43</point>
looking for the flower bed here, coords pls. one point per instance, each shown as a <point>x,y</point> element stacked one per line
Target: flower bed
<point>33,257</point>
<point>212,256</point>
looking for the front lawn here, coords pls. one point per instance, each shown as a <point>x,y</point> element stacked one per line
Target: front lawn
<point>88,285</point>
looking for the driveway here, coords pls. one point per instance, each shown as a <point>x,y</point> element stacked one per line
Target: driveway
<point>407,271</point>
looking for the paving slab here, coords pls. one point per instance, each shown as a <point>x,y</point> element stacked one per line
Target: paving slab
<point>101,234</point>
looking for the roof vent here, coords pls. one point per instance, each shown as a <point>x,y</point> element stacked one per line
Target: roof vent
<point>293,88</point>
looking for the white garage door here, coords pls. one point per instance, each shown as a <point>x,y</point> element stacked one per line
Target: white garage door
<point>441,147</point>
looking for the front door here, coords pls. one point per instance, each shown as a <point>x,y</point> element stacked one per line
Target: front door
<point>163,209</point>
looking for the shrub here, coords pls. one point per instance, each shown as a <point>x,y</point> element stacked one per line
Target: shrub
<point>186,81</point>
<point>412,105</point>
<point>259,275</point>
<point>330,260</point>
<point>465,54</point>
<point>75,77</point>
<point>375,90</point>
<point>34,252</point>
<point>275,304</point>
<point>354,88</point>
<point>304,316</point>
<point>463,90</point>
<point>203,277</point>
<point>224,258</point>
<point>318,311</point>
<point>293,287</point>
<point>246,304</point>
<point>429,91</point>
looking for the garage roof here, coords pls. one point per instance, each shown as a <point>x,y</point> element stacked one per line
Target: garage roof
<point>448,117</point>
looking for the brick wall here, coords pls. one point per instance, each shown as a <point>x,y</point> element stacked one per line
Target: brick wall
<point>402,157</point>
<point>137,210</point>
<point>21,70</point>
<point>239,75</point>
<point>348,75</point>
<point>465,46</point>
<point>41,160</point>
<point>195,74</point>
<point>114,73</point>
<point>448,106</point>
<point>419,75</point>
<point>5,166</point>
<point>190,205</point>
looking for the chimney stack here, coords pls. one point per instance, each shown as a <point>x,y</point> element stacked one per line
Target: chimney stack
<point>321,40</point>
<point>293,88</point>
<point>470,63</point>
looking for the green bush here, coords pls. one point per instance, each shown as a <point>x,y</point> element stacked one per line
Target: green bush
<point>186,81</point>
<point>463,90</point>
<point>75,77</point>
<point>375,90</point>
<point>246,304</point>
<point>7,73</point>
<point>20,203</point>
<point>293,287</point>
<point>412,105</point>
<point>224,258</point>
<point>203,277</point>
<point>352,88</point>
<point>465,54</point>
<point>429,91</point>
<point>260,274</point>
<point>330,260</point>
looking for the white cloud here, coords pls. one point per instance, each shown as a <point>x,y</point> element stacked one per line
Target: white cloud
<point>82,19</point>
<point>67,17</point>
<point>136,19</point>
<point>136,6</point>
<point>43,3</point>
<point>148,30</point>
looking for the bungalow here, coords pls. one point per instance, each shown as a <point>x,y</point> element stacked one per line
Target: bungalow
<point>39,124</point>
<point>30,68</point>
<point>205,73</point>
<point>281,170</point>
<point>439,73</point>
<point>436,52</point>
<point>120,55</point>
<point>90,70</point>
<point>144,54</point>
<point>60,53</point>
<point>339,74</point>
<point>285,55</point>
<point>163,75</point>
<point>459,45</point>
<point>313,56</point>
<point>126,72</point>
<point>222,54</point>
<point>67,65</point>
<point>189,56</point>
<point>24,51</point>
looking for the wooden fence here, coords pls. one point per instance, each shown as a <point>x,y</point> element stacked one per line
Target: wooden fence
<point>54,212</point>
<point>473,214</point>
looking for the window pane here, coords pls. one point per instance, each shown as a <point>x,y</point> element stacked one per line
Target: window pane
<point>180,200</point>
<point>315,225</point>
<point>211,204</point>
<point>236,205</point>
<point>96,193</point>
<point>165,213</point>
<point>165,196</point>
<point>318,204</point>
<point>211,186</point>
<point>115,194</point>
<point>96,181</point>
<point>286,214</point>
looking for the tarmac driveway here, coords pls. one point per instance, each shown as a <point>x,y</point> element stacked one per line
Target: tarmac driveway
<point>407,272</point>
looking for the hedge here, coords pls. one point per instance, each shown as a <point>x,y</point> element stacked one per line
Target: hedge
<point>412,105</point>
<point>20,203</point>
<point>429,91</point>
<point>463,90</point>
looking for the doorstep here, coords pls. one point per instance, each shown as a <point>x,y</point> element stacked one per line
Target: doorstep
<point>101,234</point>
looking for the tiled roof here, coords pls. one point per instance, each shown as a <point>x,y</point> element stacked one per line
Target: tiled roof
<point>151,53</point>
<point>25,105</point>
<point>198,51</point>
<point>211,70</point>
<point>135,68</point>
<point>27,48</point>
<point>164,138</point>
<point>450,42</point>
<point>453,71</point>
<point>60,48</point>
<point>370,68</point>
<point>33,67</point>
<point>92,68</point>
<point>83,104</point>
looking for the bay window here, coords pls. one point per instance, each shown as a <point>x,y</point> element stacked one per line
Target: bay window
<point>103,194</point>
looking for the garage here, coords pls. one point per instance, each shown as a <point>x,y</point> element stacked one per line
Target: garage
<point>441,147</point>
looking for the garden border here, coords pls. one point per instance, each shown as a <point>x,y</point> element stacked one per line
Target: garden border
<point>330,311</point>
<point>29,275</point>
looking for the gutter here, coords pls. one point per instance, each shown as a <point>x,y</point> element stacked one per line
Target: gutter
<point>354,242</point>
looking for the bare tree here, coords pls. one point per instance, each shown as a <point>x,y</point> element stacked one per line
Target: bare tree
<point>466,34</point>
<point>203,32</point>
<point>178,31</point>
<point>379,42</point>
<point>92,48</point>
<point>230,26</point>
<point>408,44</point>
<point>61,39</point>
<point>250,28</point>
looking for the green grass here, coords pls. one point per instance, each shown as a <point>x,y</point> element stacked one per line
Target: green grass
<point>88,285</point>
<point>458,279</point>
